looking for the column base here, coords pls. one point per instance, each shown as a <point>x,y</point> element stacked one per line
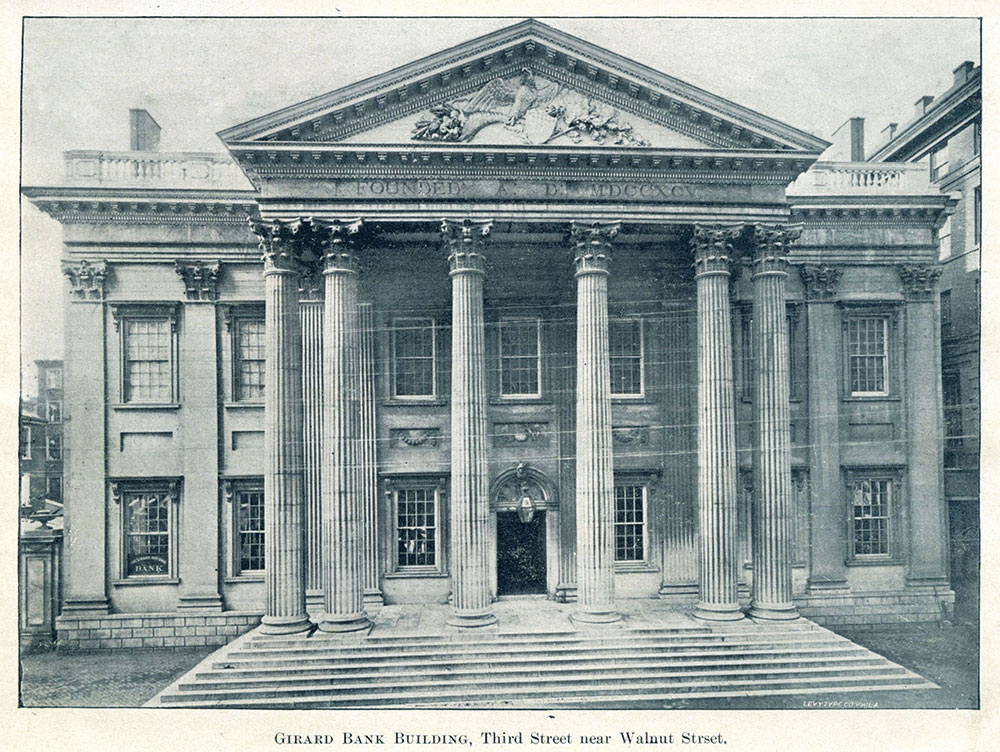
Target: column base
<point>471,619</point>
<point>773,611</point>
<point>284,625</point>
<point>927,582</point>
<point>596,615</point>
<point>202,602</point>
<point>827,585</point>
<point>717,611</point>
<point>85,606</point>
<point>344,622</point>
<point>374,596</point>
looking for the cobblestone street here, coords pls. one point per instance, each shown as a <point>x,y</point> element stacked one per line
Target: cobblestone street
<point>112,679</point>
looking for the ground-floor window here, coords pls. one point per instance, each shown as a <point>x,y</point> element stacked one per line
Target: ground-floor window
<point>417,539</point>
<point>630,522</point>
<point>148,519</point>
<point>250,527</point>
<point>872,510</point>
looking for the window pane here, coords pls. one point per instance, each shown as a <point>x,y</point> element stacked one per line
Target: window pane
<point>148,376</point>
<point>251,529</point>
<point>629,523</point>
<point>413,357</point>
<point>625,349</point>
<point>519,357</point>
<point>871,516</point>
<point>867,355</point>
<point>250,360</point>
<point>416,527</point>
<point>147,535</point>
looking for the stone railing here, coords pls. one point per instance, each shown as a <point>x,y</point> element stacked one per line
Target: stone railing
<point>135,169</point>
<point>863,179</point>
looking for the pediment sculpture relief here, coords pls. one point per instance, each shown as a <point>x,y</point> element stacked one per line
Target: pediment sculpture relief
<point>536,111</point>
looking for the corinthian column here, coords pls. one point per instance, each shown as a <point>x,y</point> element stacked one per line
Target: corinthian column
<point>284,552</point>
<point>717,599</point>
<point>595,510</point>
<point>342,504</point>
<point>470,509</point>
<point>772,556</point>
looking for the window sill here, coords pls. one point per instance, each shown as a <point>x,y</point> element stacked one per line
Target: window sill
<point>243,405</point>
<point>241,578</point>
<point>888,561</point>
<point>415,402</point>
<point>639,399</point>
<point>638,567</point>
<point>500,401</point>
<point>146,406</point>
<point>413,574</point>
<point>871,398</point>
<point>132,582</point>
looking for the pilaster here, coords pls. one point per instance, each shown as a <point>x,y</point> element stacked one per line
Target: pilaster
<point>594,470</point>
<point>772,521</point>
<point>470,565</point>
<point>717,544</point>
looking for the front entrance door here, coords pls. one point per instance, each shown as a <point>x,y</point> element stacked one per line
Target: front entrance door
<point>520,554</point>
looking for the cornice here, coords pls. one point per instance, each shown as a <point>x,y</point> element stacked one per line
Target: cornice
<point>870,210</point>
<point>631,85</point>
<point>142,207</point>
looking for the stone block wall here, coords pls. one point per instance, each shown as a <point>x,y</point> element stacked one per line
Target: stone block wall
<point>877,608</point>
<point>156,630</point>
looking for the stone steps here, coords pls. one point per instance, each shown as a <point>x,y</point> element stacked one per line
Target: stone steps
<point>556,668</point>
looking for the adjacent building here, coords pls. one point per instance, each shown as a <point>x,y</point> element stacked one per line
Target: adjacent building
<point>522,317</point>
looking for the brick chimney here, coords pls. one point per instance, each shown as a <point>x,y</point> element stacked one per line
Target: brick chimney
<point>923,103</point>
<point>963,72</point>
<point>857,139</point>
<point>144,132</point>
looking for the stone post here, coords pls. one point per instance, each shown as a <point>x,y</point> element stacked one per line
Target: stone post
<point>595,552</point>
<point>826,505</point>
<point>717,557</point>
<point>284,550</point>
<point>342,503</point>
<point>771,523</point>
<point>470,510</point>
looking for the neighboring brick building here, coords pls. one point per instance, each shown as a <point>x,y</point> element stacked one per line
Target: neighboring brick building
<point>945,138</point>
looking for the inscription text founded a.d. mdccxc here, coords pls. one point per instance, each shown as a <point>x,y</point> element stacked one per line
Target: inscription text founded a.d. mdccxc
<point>514,189</point>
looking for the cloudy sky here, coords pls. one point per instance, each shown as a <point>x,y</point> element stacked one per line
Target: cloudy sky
<point>198,76</point>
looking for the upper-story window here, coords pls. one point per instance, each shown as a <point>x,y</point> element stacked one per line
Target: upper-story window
<point>53,378</point>
<point>149,352</point>
<point>626,355</point>
<point>868,355</point>
<point>54,411</point>
<point>248,360</point>
<point>944,240</point>
<point>939,162</point>
<point>414,371</point>
<point>977,214</point>
<point>25,442</point>
<point>520,361</point>
<point>53,446</point>
<point>53,487</point>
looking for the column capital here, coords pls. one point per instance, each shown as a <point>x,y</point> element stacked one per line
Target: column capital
<point>311,287</point>
<point>770,247</point>
<point>464,239</point>
<point>200,279</point>
<point>332,241</point>
<point>713,248</point>
<point>592,245</point>
<point>919,280</point>
<point>819,280</point>
<point>279,245</point>
<point>86,279</point>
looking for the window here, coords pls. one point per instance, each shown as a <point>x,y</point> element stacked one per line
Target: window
<point>53,487</point>
<point>944,240</point>
<point>867,355</point>
<point>977,214</point>
<point>520,365</point>
<point>951,387</point>
<point>977,137</point>
<point>626,355</point>
<point>148,525</point>
<point>416,527</point>
<point>53,378</point>
<point>939,162</point>
<point>53,446</point>
<point>945,298</point>
<point>871,500</point>
<point>25,442</point>
<point>630,523</point>
<point>149,352</point>
<point>248,360</point>
<point>413,362</point>
<point>249,500</point>
<point>54,411</point>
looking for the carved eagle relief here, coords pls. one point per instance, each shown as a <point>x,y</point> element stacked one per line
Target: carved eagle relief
<point>537,111</point>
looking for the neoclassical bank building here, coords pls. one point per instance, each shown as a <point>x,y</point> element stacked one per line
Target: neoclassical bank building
<point>520,318</point>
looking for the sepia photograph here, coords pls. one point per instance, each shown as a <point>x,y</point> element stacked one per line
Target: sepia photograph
<point>482,363</point>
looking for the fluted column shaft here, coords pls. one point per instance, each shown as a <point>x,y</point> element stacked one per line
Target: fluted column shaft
<point>470,510</point>
<point>595,552</point>
<point>369,456</point>
<point>284,549</point>
<point>311,319</point>
<point>771,525</point>
<point>342,503</point>
<point>717,558</point>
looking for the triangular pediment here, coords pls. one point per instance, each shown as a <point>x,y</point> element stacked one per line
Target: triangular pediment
<point>528,84</point>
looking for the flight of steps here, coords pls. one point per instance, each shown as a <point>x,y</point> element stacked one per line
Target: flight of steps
<point>534,669</point>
